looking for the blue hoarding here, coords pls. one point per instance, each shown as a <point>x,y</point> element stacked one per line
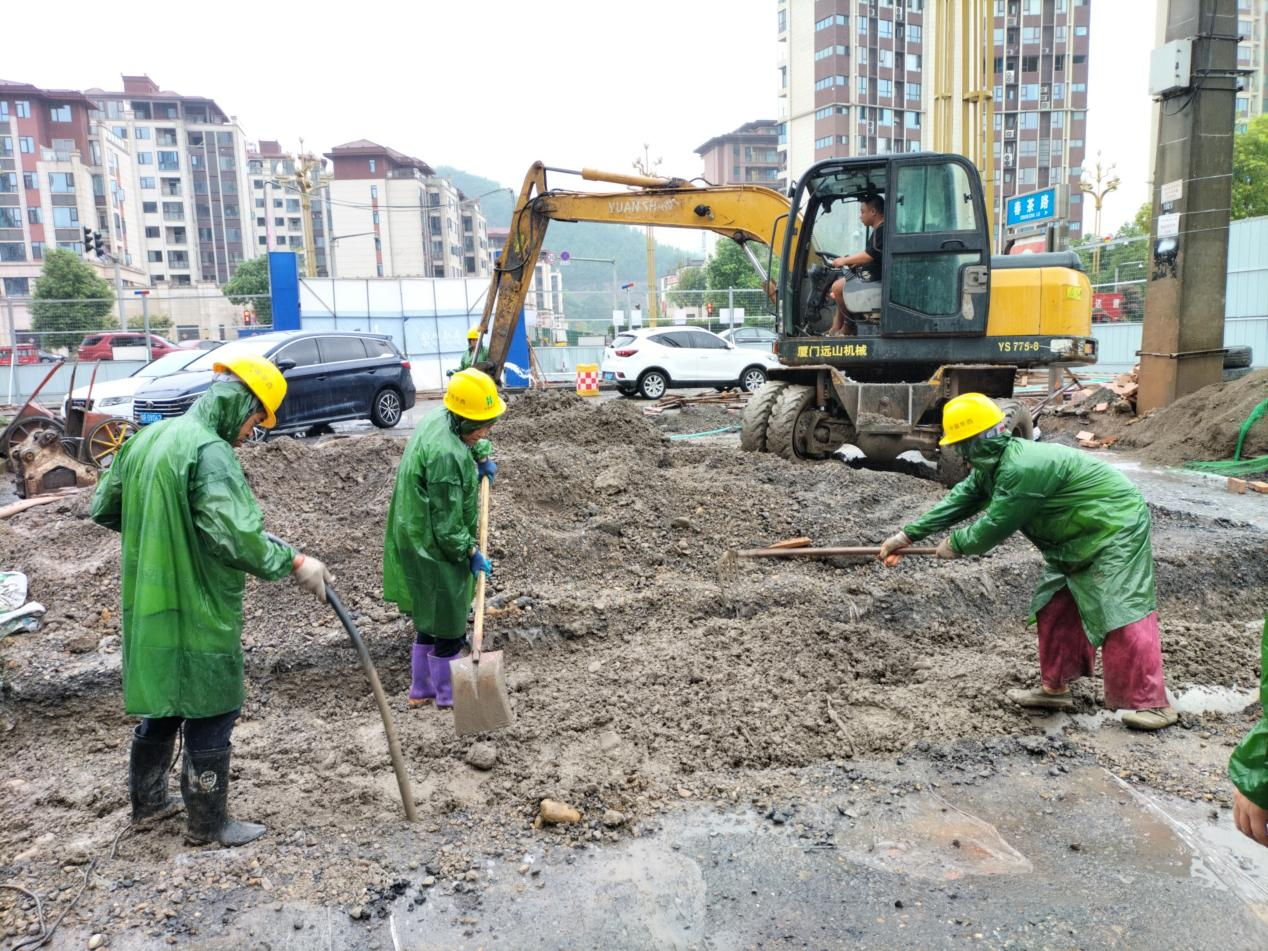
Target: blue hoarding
<point>1035,207</point>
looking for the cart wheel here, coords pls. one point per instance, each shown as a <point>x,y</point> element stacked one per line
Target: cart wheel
<point>107,438</point>
<point>21,428</point>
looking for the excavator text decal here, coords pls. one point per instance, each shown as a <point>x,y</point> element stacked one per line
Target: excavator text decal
<point>641,206</point>
<point>833,350</point>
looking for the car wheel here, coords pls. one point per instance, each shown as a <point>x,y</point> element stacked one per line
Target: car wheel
<point>386,410</point>
<point>653,384</point>
<point>752,379</point>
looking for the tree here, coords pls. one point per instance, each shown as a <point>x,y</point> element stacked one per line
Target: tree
<point>70,300</point>
<point>1250,170</point>
<point>686,293</point>
<point>252,277</point>
<point>730,267</point>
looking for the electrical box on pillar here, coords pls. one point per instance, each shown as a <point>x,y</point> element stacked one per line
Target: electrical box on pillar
<point>1183,335</point>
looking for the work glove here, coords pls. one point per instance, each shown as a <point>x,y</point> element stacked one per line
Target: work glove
<point>893,544</point>
<point>479,563</point>
<point>945,551</point>
<point>450,372</point>
<point>312,576</point>
<point>487,468</point>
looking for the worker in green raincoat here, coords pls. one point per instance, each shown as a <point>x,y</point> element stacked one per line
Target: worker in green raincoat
<point>1092,526</point>
<point>190,530</point>
<point>430,552</point>
<point>471,358</point>
<point>1248,767</point>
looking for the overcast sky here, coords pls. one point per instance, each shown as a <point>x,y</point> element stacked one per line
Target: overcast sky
<point>490,85</point>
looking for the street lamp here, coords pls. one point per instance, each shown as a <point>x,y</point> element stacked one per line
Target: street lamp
<point>1104,181</point>
<point>339,237</point>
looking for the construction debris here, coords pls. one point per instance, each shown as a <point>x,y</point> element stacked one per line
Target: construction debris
<point>731,399</point>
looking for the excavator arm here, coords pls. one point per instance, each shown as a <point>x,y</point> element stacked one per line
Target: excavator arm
<point>744,213</point>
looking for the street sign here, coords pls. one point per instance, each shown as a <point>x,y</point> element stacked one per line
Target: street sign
<point>1034,207</point>
<point>144,293</point>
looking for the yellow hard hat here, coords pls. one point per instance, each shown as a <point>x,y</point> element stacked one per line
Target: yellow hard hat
<point>472,394</point>
<point>968,415</point>
<point>262,377</point>
<point>473,333</point>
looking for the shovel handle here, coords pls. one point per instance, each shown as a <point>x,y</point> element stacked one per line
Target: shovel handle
<point>857,552</point>
<point>477,629</point>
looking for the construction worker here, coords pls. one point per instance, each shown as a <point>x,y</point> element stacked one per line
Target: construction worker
<point>471,358</point>
<point>190,529</point>
<point>1248,767</point>
<point>871,215</point>
<point>430,553</point>
<point>1092,526</point>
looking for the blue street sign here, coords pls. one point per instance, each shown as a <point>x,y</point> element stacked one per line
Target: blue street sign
<point>1037,206</point>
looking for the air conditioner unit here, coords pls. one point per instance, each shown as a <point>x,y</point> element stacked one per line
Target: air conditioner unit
<point>1047,49</point>
<point>1012,51</point>
<point>1045,104</point>
<point>1008,160</point>
<point>1012,21</point>
<point>1010,134</point>
<point>1010,76</point>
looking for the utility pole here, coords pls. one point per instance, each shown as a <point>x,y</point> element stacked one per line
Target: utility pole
<point>305,182</point>
<point>647,167</point>
<point>1195,76</point>
<point>1103,182</point>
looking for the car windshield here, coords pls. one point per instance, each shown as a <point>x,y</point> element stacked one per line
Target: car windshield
<point>171,363</point>
<point>251,346</point>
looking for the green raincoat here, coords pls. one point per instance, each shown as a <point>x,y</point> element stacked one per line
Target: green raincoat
<point>190,529</point>
<point>431,528</point>
<point>470,360</point>
<point>1088,520</point>
<point>1248,767</point>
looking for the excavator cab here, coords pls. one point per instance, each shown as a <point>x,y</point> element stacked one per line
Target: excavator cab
<point>934,276</point>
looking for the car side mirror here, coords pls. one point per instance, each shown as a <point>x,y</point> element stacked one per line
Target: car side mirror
<point>285,365</point>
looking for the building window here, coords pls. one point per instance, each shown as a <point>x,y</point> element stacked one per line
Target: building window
<point>152,231</point>
<point>264,241</point>
<point>149,207</point>
<point>862,86</point>
<point>8,182</point>
<point>828,81</point>
<point>65,217</point>
<point>1029,35</point>
<point>279,222</point>
<point>10,217</point>
<point>374,165</point>
<point>59,113</point>
<point>885,29</point>
<point>147,181</point>
<point>30,180</point>
<point>912,120</point>
<point>1080,31</point>
<point>1029,92</point>
<point>26,144</point>
<point>23,108</point>
<point>827,22</point>
<point>142,132</point>
<point>862,57</point>
<point>782,22</point>
<point>1078,87</point>
<point>278,203</point>
<point>885,58</point>
<point>913,92</point>
<point>862,26</point>
<point>885,88</point>
<point>374,191</point>
<point>914,33</point>
<point>292,204</point>
<point>145,158</point>
<point>61,183</point>
<point>17,286</point>
<point>35,216</point>
<point>169,161</point>
<point>375,216</point>
<point>840,49</point>
<point>260,203</point>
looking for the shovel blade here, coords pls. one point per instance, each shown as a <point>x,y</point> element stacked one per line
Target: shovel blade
<point>480,701</point>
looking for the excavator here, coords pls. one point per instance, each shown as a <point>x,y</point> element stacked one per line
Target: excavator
<point>945,318</point>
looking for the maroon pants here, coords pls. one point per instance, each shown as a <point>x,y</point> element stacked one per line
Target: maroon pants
<point>1131,655</point>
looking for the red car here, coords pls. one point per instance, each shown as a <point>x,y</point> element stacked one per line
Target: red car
<point>101,346</point>
<point>27,354</point>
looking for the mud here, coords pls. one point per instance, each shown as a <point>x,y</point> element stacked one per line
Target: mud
<point>643,673</point>
<point>1203,425</point>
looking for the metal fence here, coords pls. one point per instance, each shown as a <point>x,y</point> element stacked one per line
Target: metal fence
<point>18,382</point>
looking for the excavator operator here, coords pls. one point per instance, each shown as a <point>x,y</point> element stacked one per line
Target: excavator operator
<point>871,215</point>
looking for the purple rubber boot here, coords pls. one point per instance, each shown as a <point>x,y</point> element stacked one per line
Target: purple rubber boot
<point>440,681</point>
<point>421,691</point>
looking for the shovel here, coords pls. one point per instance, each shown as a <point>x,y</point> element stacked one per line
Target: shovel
<point>480,702</point>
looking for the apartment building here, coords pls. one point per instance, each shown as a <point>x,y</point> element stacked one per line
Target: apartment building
<point>189,164</point>
<point>393,216</point>
<point>544,302</point>
<point>278,208</point>
<point>62,169</point>
<point>747,156</point>
<point>1252,23</point>
<point>851,75</point>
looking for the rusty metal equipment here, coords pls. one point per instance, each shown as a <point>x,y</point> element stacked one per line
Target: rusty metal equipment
<point>42,465</point>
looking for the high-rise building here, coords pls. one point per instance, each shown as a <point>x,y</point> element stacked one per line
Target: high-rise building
<point>189,172</point>
<point>748,156</point>
<point>393,216</point>
<point>62,169</point>
<point>277,205</point>
<point>851,79</point>
<point>1040,99</point>
<point>1252,23</point>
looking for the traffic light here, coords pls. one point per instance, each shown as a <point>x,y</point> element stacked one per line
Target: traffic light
<point>88,241</point>
<point>98,245</point>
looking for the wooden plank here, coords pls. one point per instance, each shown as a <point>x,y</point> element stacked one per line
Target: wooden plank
<point>1237,486</point>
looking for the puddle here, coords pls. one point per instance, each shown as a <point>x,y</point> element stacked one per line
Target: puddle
<point>1197,698</point>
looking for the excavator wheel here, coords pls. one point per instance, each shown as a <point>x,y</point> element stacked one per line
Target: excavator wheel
<point>795,430</point>
<point>757,416</point>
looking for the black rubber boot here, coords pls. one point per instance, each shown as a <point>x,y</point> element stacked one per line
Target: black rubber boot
<point>148,766</point>
<point>205,783</point>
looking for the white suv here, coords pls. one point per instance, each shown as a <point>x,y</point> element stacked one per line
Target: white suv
<point>651,360</point>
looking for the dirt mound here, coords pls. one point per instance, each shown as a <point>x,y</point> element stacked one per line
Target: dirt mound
<point>1203,425</point>
<point>541,416</point>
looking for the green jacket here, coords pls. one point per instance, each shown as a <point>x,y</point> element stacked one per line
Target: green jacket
<point>1248,766</point>
<point>1088,520</point>
<point>190,529</point>
<point>431,528</point>
<point>469,361</point>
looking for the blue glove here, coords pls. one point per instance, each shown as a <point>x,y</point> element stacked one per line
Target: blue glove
<point>479,563</point>
<point>487,468</point>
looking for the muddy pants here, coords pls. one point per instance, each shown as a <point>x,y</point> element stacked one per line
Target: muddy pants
<point>1131,656</point>
<point>201,733</point>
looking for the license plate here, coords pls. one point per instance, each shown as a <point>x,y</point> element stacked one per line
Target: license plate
<point>610,375</point>
<point>147,418</point>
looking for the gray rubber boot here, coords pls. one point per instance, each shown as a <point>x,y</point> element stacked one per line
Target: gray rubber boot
<point>148,765</point>
<point>205,783</point>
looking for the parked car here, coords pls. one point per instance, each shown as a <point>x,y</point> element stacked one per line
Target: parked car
<point>330,377</point>
<point>115,396</point>
<point>102,346</point>
<point>750,338</point>
<point>27,353</point>
<point>650,360</point>
<point>201,344</point>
